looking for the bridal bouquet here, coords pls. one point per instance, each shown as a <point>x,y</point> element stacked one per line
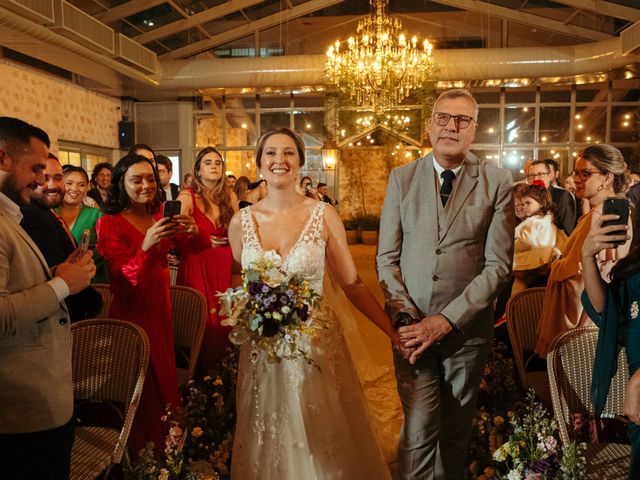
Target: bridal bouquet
<point>272,308</point>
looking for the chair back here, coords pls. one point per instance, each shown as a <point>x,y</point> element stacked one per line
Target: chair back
<point>523,314</point>
<point>105,290</point>
<point>189,312</point>
<point>570,366</point>
<point>109,364</point>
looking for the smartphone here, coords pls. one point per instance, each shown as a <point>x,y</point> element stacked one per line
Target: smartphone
<point>171,208</point>
<point>84,243</point>
<point>616,206</point>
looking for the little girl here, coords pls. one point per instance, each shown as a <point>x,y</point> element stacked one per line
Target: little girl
<point>537,239</point>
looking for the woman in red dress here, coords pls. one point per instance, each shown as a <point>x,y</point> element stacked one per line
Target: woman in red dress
<point>212,204</point>
<point>134,241</point>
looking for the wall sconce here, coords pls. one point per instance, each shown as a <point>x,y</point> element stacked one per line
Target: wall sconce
<point>329,157</point>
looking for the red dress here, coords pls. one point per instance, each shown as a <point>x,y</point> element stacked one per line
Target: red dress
<point>140,288</point>
<point>209,272</point>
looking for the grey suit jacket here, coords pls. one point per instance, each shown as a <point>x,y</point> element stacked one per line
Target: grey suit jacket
<point>459,267</point>
<point>35,338</point>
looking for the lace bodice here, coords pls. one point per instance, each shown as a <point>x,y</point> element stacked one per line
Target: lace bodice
<point>306,257</point>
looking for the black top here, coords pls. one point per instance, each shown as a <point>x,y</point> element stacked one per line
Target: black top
<point>565,209</point>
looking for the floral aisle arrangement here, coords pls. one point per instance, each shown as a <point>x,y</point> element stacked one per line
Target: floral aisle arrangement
<point>200,437</point>
<point>533,452</point>
<point>275,310</point>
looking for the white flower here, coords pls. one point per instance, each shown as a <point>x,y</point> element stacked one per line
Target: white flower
<point>164,474</point>
<point>272,256</point>
<point>515,474</point>
<point>634,310</point>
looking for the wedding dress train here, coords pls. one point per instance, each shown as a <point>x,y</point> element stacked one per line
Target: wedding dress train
<point>296,421</point>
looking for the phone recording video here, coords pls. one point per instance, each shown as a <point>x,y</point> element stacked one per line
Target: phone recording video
<point>171,208</point>
<point>616,206</point>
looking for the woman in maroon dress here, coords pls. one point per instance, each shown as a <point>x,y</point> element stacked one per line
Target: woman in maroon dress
<point>212,204</point>
<point>134,241</point>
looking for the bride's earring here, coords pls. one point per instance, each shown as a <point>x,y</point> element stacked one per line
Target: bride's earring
<point>601,187</point>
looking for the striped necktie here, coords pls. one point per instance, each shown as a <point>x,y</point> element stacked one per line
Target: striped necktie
<point>447,185</point>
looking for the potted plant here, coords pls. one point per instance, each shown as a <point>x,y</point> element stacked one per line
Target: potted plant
<point>370,224</point>
<point>351,229</point>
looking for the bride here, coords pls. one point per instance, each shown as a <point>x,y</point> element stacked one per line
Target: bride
<point>296,421</point>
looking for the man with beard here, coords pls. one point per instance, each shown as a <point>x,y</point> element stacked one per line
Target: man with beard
<point>36,398</point>
<point>52,236</point>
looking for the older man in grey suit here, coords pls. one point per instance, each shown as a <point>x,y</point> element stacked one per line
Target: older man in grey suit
<point>36,397</point>
<point>445,251</point>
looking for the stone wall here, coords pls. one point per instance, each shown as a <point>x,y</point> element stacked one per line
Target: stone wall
<point>65,111</point>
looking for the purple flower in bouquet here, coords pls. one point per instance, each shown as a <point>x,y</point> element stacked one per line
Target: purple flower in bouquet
<point>543,466</point>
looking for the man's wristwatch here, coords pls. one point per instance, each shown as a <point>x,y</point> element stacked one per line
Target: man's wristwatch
<point>403,319</point>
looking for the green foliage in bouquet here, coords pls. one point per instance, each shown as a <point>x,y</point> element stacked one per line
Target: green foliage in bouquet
<point>198,444</point>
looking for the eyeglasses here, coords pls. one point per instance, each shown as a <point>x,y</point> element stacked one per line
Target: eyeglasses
<point>534,176</point>
<point>442,119</point>
<point>584,174</point>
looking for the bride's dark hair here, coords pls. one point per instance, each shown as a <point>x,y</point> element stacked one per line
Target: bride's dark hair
<point>284,131</point>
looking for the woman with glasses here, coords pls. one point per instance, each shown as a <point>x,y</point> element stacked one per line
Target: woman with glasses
<point>600,172</point>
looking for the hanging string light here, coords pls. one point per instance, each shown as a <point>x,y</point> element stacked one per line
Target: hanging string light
<point>379,67</point>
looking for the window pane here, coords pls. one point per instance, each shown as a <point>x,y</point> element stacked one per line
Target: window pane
<point>590,125</point>
<point>520,96</point>
<point>241,162</point>
<point>563,95</point>
<point>271,120</point>
<point>209,131</point>
<point>514,161</point>
<point>625,124</point>
<point>278,101</point>
<point>490,155</point>
<point>309,100</point>
<point>588,94</point>
<point>487,97</point>
<point>519,125</point>
<point>488,126</point>
<point>240,129</point>
<point>554,124</point>
<point>311,125</point>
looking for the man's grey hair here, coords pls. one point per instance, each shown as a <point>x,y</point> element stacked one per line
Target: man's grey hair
<point>458,93</point>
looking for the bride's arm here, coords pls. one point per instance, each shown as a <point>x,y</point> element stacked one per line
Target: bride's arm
<point>342,265</point>
<point>235,240</point>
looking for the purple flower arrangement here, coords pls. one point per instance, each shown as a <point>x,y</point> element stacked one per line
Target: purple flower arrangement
<point>276,311</point>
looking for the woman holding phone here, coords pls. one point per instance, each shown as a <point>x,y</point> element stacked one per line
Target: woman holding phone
<point>212,204</point>
<point>600,172</point>
<point>614,307</point>
<point>134,240</point>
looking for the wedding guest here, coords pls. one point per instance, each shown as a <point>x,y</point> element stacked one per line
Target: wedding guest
<point>614,308</point>
<point>444,254</point>
<point>538,240</point>
<point>323,194</point>
<point>518,190</point>
<point>555,171</point>
<point>101,181</point>
<point>305,184</point>
<point>134,240</point>
<point>568,184</point>
<point>78,217</point>
<point>145,150</point>
<point>255,192</point>
<point>212,204</point>
<point>600,172</point>
<point>168,190</point>
<point>563,201</point>
<point>36,398</point>
<point>186,181</point>
<point>242,184</point>
<point>232,181</point>
<point>52,236</point>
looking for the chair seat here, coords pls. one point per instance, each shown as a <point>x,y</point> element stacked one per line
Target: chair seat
<point>92,451</point>
<point>608,461</point>
<point>539,381</point>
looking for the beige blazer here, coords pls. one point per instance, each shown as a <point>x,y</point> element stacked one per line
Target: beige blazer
<point>451,260</point>
<point>35,338</point>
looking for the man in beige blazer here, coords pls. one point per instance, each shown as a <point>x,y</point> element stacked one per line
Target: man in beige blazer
<point>36,398</point>
<point>445,252</point>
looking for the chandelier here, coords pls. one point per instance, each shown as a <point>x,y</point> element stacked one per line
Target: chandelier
<point>379,67</point>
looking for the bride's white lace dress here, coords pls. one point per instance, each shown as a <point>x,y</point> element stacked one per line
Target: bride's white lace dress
<point>296,421</point>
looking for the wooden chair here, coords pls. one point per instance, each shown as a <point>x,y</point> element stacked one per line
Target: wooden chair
<point>104,290</point>
<point>109,361</point>
<point>189,313</point>
<point>523,314</point>
<point>570,366</point>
